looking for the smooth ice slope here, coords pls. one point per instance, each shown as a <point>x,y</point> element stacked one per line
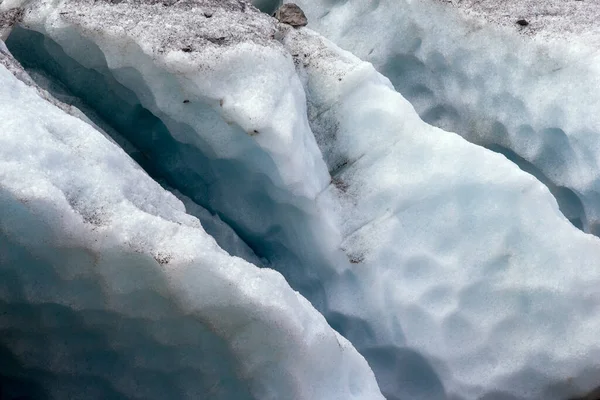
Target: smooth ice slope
<point>110,290</point>
<point>498,87</point>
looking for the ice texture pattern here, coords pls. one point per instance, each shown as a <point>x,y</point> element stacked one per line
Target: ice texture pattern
<point>110,290</point>
<point>450,256</point>
<point>451,270</point>
<point>529,93</point>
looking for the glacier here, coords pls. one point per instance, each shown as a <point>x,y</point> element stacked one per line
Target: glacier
<point>152,152</point>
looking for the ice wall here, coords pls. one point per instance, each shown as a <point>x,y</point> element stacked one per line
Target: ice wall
<point>189,121</point>
<point>212,224</point>
<point>109,289</point>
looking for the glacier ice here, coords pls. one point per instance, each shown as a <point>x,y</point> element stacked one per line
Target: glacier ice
<point>267,6</point>
<point>531,98</point>
<point>224,235</point>
<point>453,262</point>
<point>207,148</point>
<point>450,270</point>
<point>109,289</point>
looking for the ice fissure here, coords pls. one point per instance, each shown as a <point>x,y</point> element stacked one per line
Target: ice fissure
<point>287,245</point>
<point>429,253</point>
<point>167,295</point>
<point>226,186</point>
<point>568,201</point>
<point>117,109</point>
<point>186,168</point>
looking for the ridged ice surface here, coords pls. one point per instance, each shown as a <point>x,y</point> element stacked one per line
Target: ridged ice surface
<point>220,112</point>
<point>224,235</point>
<point>466,281</point>
<point>109,290</point>
<point>452,271</point>
<point>527,92</point>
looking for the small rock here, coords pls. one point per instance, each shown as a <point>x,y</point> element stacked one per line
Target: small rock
<point>291,14</point>
<point>186,49</point>
<point>219,40</point>
<point>208,14</point>
<point>522,22</point>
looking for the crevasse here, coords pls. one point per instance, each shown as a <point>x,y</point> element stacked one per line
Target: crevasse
<point>98,253</point>
<point>427,252</point>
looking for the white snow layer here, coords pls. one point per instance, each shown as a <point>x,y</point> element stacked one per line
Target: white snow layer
<point>110,290</point>
<point>451,270</point>
<point>531,90</point>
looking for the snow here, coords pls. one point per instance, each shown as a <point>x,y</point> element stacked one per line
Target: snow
<point>525,91</point>
<point>452,271</point>
<point>110,290</point>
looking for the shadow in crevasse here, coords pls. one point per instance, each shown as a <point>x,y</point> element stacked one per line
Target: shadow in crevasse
<point>16,382</point>
<point>404,374</point>
<point>267,6</point>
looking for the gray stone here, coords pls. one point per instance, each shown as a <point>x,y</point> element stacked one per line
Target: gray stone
<point>291,14</point>
<point>8,18</point>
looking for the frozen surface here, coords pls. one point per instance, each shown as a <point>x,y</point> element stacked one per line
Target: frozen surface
<point>211,223</point>
<point>109,289</point>
<point>574,20</point>
<point>223,121</point>
<point>528,92</point>
<point>452,271</point>
<point>220,231</point>
<point>465,281</point>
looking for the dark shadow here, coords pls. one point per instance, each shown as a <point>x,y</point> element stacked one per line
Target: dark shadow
<point>90,346</point>
<point>16,381</point>
<point>593,395</point>
<point>267,6</point>
<point>568,201</point>
<point>403,374</point>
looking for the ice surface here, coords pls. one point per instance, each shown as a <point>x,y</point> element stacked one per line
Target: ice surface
<point>451,270</point>
<point>199,111</point>
<point>224,235</point>
<point>108,289</point>
<point>528,90</point>
<point>465,282</point>
<point>212,224</point>
<point>546,19</point>
<point>267,6</point>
